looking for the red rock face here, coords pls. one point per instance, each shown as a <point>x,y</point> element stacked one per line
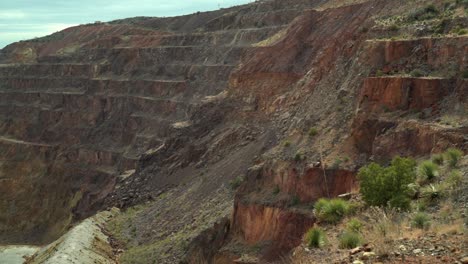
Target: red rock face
<point>259,223</point>
<point>314,183</point>
<point>400,93</point>
<point>400,55</point>
<point>414,139</point>
<point>269,72</point>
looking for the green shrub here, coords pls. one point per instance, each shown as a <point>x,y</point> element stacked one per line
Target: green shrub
<point>315,237</point>
<point>350,240</point>
<point>465,74</point>
<point>461,31</point>
<point>417,73</point>
<point>438,159</point>
<point>421,206</point>
<point>299,156</point>
<point>428,170</point>
<point>379,185</point>
<point>433,193</point>
<point>394,27</point>
<point>235,183</point>
<point>455,178</point>
<point>313,132</point>
<point>354,225</point>
<point>336,164</point>
<point>413,190</point>
<point>453,155</point>
<point>426,13</point>
<point>331,211</point>
<point>421,220</point>
<point>401,201</point>
<point>295,200</point>
<point>276,190</point>
<point>287,143</point>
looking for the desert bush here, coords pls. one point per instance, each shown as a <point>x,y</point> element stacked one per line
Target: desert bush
<point>420,206</point>
<point>350,240</point>
<point>382,186</point>
<point>313,132</point>
<point>235,183</point>
<point>465,74</point>
<point>385,225</point>
<point>438,159</point>
<point>453,155</point>
<point>331,211</point>
<point>295,200</point>
<point>315,237</point>
<point>336,164</point>
<point>421,220</point>
<point>417,73</point>
<point>455,178</point>
<point>428,170</point>
<point>276,190</point>
<point>287,143</point>
<point>433,192</point>
<point>354,225</point>
<point>299,156</point>
<point>426,13</point>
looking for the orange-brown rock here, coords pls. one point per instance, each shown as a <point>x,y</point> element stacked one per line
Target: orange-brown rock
<point>256,223</point>
<point>380,94</point>
<point>435,53</point>
<point>415,139</point>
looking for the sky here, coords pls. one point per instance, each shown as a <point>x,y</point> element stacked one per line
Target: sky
<point>26,19</point>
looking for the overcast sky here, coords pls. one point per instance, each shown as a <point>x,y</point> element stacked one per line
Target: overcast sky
<point>26,19</point>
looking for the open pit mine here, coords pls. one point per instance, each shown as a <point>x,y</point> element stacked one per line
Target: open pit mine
<point>208,138</point>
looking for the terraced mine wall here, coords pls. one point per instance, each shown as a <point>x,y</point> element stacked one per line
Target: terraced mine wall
<point>222,127</point>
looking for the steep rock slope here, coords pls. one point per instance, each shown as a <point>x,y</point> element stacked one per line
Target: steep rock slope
<point>294,96</point>
<point>80,107</point>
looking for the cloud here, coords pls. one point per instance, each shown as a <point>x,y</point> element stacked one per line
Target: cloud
<point>12,14</point>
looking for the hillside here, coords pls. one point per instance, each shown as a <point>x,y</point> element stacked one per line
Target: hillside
<point>215,133</point>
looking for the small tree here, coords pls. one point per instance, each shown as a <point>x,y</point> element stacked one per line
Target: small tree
<point>381,186</point>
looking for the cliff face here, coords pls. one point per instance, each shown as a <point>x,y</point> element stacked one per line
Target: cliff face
<point>297,95</point>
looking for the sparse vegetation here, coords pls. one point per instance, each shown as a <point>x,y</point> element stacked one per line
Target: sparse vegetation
<point>438,159</point>
<point>336,164</point>
<point>350,240</point>
<point>421,220</point>
<point>299,156</point>
<point>276,190</point>
<point>295,200</point>
<point>465,74</point>
<point>433,192</point>
<point>235,183</point>
<point>455,178</point>
<point>382,186</point>
<point>428,170</point>
<point>417,73</point>
<point>313,132</point>
<point>429,12</point>
<point>287,143</point>
<point>354,225</point>
<point>331,211</point>
<point>453,155</point>
<point>315,237</point>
